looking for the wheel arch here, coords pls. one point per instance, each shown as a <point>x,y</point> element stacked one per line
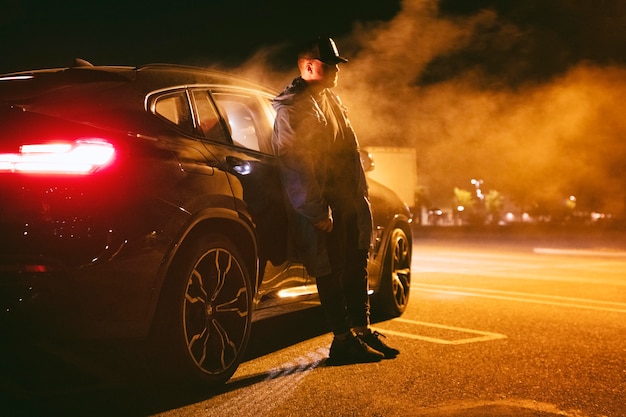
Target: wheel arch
<point>396,222</point>
<point>225,222</point>
<point>381,303</point>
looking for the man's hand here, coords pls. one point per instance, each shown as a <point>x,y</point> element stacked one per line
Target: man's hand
<point>325,225</point>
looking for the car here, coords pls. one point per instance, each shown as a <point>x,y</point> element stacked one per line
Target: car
<point>143,203</point>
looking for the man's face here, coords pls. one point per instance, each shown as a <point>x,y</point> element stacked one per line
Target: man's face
<point>323,74</point>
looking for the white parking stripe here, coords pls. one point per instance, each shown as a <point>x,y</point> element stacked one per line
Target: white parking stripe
<point>588,304</point>
<point>580,252</point>
<point>483,336</point>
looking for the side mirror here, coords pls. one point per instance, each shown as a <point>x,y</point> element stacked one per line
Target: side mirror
<point>367,161</point>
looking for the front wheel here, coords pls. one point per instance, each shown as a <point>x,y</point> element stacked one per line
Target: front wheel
<point>396,277</point>
<point>203,322</point>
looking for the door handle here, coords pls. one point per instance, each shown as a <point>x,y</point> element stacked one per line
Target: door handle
<point>240,166</point>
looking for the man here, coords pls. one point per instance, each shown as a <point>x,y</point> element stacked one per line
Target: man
<point>325,185</point>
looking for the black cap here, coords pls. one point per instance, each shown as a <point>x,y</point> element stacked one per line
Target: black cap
<point>323,49</point>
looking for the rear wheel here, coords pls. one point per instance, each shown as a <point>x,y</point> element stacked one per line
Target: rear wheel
<point>396,277</point>
<point>203,322</point>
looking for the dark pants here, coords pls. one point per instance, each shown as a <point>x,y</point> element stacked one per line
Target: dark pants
<point>343,293</point>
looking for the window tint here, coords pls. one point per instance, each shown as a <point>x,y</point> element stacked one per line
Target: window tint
<point>175,109</point>
<point>247,119</point>
<point>208,120</point>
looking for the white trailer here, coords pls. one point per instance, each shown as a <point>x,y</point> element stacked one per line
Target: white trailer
<point>396,168</point>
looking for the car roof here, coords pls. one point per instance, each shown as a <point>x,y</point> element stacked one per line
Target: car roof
<point>146,78</point>
<point>112,97</point>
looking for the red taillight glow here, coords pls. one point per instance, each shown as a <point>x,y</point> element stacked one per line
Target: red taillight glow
<point>80,157</point>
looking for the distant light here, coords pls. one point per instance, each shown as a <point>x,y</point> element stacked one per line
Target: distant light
<point>571,202</point>
<point>460,208</point>
<point>35,268</point>
<point>597,216</point>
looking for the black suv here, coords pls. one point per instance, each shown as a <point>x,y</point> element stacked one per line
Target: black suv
<point>144,203</point>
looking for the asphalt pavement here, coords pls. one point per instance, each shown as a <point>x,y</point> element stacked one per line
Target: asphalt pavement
<point>540,358</point>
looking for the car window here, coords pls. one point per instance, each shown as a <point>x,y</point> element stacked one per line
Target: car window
<point>208,119</point>
<point>248,120</point>
<point>174,108</point>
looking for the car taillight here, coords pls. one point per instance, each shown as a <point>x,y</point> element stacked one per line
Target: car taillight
<point>78,158</point>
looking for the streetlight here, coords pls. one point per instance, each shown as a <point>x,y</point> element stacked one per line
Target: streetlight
<point>477,184</point>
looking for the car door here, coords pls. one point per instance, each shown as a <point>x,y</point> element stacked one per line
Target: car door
<point>256,185</point>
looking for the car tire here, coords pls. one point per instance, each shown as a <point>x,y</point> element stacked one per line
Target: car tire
<point>395,285</point>
<point>203,321</point>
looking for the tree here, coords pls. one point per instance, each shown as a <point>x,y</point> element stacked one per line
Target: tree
<point>465,204</point>
<point>494,202</point>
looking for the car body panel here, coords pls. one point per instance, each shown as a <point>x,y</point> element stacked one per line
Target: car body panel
<point>88,254</point>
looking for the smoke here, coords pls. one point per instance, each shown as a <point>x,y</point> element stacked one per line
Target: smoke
<point>543,139</point>
<point>469,92</point>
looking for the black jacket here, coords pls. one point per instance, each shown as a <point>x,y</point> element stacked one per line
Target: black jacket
<point>317,173</point>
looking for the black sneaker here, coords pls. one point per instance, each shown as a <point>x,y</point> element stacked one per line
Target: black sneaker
<point>372,339</point>
<point>352,350</point>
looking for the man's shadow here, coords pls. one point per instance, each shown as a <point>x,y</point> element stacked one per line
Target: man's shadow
<point>268,336</point>
<point>277,333</point>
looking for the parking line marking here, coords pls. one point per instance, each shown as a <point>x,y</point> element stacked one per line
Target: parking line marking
<point>483,336</point>
<point>580,252</point>
<point>526,297</point>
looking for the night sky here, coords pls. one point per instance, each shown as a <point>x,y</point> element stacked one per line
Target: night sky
<point>524,94</point>
<point>43,33</point>
<point>551,34</point>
